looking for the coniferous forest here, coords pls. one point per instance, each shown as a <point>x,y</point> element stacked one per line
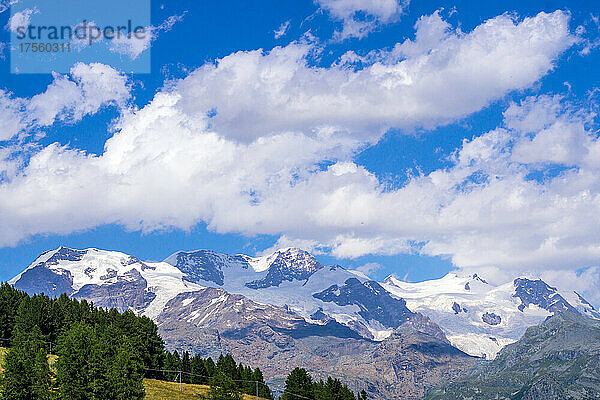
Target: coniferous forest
<point>63,348</point>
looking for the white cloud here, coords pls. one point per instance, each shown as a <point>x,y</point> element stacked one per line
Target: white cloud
<point>69,98</point>
<point>284,242</point>
<point>10,115</point>
<point>282,30</point>
<point>20,19</point>
<point>5,4</point>
<point>424,83</point>
<point>240,145</point>
<point>360,17</point>
<point>133,45</point>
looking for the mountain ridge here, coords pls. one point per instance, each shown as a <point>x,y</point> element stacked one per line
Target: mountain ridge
<point>473,315</point>
<point>556,360</point>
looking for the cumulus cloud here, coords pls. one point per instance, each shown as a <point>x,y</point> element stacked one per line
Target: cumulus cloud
<point>360,17</point>
<point>20,19</point>
<point>262,143</point>
<point>440,76</point>
<point>84,91</point>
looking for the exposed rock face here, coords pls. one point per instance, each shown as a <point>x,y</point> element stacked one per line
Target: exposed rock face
<point>129,291</point>
<point>288,266</point>
<point>558,360</point>
<point>545,388</point>
<point>374,301</point>
<point>491,319</point>
<point>457,308</point>
<point>66,254</point>
<point>541,294</point>
<point>40,279</point>
<point>205,265</point>
<point>234,315</point>
<point>211,321</point>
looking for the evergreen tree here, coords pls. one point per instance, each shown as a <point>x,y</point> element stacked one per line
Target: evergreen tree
<point>10,299</point>
<point>101,365</point>
<point>199,373</point>
<point>298,383</point>
<point>74,371</point>
<point>186,367</point>
<point>116,367</point>
<point>333,389</point>
<point>210,367</point>
<point>26,374</point>
<point>222,387</point>
<point>34,311</point>
<point>123,369</point>
<point>263,389</point>
<point>227,365</point>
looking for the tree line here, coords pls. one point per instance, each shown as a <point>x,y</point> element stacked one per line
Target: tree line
<point>96,353</point>
<point>62,348</point>
<point>225,374</point>
<point>300,385</point>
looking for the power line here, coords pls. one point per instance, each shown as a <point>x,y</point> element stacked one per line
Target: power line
<point>180,373</point>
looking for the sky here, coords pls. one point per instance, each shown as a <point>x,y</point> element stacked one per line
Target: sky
<point>387,136</point>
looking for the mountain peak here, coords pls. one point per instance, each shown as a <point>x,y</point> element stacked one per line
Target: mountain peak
<point>284,265</point>
<point>539,293</point>
<point>287,254</point>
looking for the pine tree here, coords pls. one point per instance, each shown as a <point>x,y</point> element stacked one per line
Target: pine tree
<point>223,387</point>
<point>199,373</point>
<point>26,373</point>
<point>123,371</point>
<point>172,364</point>
<point>74,370</point>
<point>263,389</point>
<point>186,367</point>
<point>101,364</point>
<point>10,299</point>
<point>298,383</point>
<point>210,367</point>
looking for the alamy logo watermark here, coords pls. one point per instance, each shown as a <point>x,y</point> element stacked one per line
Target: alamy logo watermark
<point>51,36</point>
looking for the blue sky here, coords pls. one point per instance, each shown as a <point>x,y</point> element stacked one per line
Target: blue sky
<point>400,138</point>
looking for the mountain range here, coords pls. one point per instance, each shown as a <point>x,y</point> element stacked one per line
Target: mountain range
<point>391,338</point>
<point>557,360</point>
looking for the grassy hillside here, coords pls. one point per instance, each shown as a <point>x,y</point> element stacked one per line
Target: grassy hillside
<point>3,351</point>
<point>158,390</point>
<point>161,390</point>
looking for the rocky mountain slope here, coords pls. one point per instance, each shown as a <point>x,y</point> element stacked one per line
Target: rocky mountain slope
<point>557,360</point>
<point>476,316</point>
<point>481,318</point>
<point>212,321</point>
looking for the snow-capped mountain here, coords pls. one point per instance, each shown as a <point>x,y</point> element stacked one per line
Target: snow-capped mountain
<point>108,278</point>
<point>475,316</point>
<point>480,318</point>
